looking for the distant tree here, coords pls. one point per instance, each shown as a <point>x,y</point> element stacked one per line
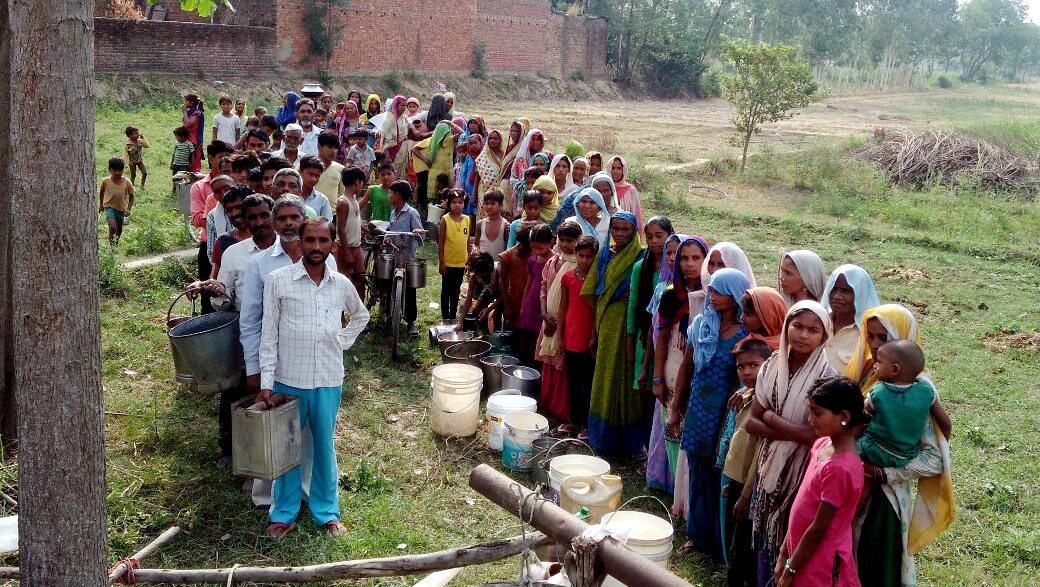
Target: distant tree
<point>204,8</point>
<point>770,81</point>
<point>987,29</point>
<point>324,28</point>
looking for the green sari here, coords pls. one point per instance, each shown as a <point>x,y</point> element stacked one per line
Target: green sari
<point>615,427</point>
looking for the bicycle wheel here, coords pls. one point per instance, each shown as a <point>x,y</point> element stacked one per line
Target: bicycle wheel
<point>396,310</point>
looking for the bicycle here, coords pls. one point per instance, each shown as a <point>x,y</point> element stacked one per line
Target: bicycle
<point>390,264</point>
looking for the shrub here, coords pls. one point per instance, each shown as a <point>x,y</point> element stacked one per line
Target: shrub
<point>479,61</point>
<point>578,76</point>
<point>393,83</point>
<point>944,82</point>
<point>112,279</point>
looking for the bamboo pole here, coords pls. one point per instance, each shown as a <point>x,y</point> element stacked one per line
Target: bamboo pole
<point>120,569</point>
<point>620,562</point>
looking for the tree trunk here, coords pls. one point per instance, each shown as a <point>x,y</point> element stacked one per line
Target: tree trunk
<point>50,305</point>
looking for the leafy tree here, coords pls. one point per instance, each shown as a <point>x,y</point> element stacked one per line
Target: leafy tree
<point>987,28</point>
<point>204,8</point>
<point>770,81</point>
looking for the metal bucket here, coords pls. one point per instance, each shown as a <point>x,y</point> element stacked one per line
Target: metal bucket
<point>385,265</point>
<point>210,349</point>
<point>450,338</point>
<point>501,340</point>
<point>265,443</point>
<point>526,379</point>
<point>469,352</point>
<point>415,273</point>
<point>181,369</point>
<point>545,450</point>
<point>492,365</point>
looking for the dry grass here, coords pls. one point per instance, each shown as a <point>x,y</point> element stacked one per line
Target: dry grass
<point>1003,341</point>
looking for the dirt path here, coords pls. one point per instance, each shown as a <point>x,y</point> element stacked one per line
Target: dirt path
<point>156,259</point>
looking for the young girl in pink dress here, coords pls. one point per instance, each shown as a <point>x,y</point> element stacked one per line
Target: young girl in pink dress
<point>818,549</point>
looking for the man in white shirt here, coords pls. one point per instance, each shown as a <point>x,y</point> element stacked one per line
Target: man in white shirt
<point>290,150</point>
<point>303,310</point>
<point>309,134</point>
<point>227,126</point>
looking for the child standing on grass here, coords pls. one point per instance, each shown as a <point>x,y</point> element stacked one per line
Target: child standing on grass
<point>453,244</point>
<point>227,126</point>
<point>133,155</point>
<point>549,347</point>
<point>116,199</point>
<point>542,240</point>
<point>183,151</point>
<point>818,546</point>
<point>349,256</point>
<point>576,325</point>
<point>378,207</point>
<point>512,279</point>
<point>492,229</point>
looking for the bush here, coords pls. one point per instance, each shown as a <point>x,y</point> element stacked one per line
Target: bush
<point>944,82</point>
<point>393,83</point>
<point>709,85</point>
<point>112,279</point>
<point>479,61</point>
<point>578,76</point>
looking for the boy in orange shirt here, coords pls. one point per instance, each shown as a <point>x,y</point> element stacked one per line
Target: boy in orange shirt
<point>116,199</point>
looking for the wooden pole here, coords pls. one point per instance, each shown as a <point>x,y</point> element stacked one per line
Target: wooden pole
<point>477,554</point>
<point>120,569</point>
<point>620,562</point>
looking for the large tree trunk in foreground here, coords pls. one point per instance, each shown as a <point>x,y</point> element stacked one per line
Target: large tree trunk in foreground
<point>50,307</point>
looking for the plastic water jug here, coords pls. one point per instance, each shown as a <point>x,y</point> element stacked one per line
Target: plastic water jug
<point>600,494</point>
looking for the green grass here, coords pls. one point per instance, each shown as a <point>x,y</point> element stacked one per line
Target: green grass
<point>402,485</point>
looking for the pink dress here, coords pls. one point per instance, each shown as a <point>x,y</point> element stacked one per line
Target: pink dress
<point>531,311</point>
<point>838,482</point>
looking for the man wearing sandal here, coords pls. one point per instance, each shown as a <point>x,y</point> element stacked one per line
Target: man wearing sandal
<point>303,311</point>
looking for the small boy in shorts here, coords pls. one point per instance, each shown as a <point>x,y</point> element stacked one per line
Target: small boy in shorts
<point>116,199</point>
<point>182,151</point>
<point>132,154</point>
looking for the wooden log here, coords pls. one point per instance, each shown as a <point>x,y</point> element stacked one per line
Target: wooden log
<point>620,562</point>
<point>477,554</point>
<point>120,569</point>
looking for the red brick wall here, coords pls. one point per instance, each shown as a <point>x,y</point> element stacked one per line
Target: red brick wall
<point>440,35</point>
<point>180,47</point>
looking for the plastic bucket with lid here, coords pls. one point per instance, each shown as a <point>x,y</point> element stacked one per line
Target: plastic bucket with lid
<point>648,536</point>
<point>520,429</point>
<point>456,399</point>
<point>566,466</point>
<point>499,405</point>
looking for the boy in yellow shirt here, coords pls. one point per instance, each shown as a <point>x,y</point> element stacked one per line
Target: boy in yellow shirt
<point>116,199</point>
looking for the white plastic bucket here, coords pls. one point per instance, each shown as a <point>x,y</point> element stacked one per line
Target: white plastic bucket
<point>565,466</point>
<point>520,429</point>
<point>456,399</point>
<point>433,214</point>
<point>499,404</point>
<point>648,536</point>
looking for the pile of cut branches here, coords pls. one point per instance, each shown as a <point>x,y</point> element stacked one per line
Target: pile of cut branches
<point>916,159</point>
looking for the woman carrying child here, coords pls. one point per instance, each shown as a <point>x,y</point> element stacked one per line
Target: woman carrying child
<point>780,416</point>
<point>614,417</point>
<point>895,525</point>
<point>545,186</point>
<point>713,334</point>
<point>348,123</point>
<point>592,215</point>
<point>627,194</point>
<point>554,399</point>
<point>396,132</point>
<point>849,293</point>
<point>801,276</point>
<point>194,120</point>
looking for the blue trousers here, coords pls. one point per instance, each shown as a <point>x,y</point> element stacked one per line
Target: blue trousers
<point>318,409</point>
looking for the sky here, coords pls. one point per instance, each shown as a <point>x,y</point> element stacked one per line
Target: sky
<point>1034,10</point>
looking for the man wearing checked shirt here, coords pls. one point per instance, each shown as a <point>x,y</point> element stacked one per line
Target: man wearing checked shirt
<point>301,356</point>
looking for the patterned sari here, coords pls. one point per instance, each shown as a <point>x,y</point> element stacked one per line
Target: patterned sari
<point>615,427</point>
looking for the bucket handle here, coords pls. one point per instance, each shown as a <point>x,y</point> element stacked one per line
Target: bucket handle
<point>462,409</point>
<point>545,463</point>
<point>169,311</point>
<point>666,510</point>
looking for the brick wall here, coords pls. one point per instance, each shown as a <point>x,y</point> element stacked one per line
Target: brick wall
<point>180,47</point>
<point>441,35</point>
<point>521,36</point>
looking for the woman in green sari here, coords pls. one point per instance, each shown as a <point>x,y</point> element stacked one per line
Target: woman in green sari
<point>614,415</point>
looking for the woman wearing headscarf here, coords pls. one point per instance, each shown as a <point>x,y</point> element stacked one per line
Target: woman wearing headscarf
<point>412,106</point>
<point>474,146</point>
<point>373,106</point>
<point>728,255</point>
<point>780,416</point>
<point>600,227</point>
<point>580,171</point>
<point>532,143</point>
<point>396,131</point>
<point>560,171</point>
<point>194,119</point>
<point>475,126</point>
<point>712,336</point>
<point>627,194</point>
<point>550,199</point>
<point>801,276</point>
<point>766,307</point>
<point>489,165</point>
<point>438,112</point>
<point>849,293</point>
<point>614,418</point>
<point>287,112</point>
<point>605,186</point>
<point>350,121</point>
<point>895,525</point>
<point>518,130</point>
<point>437,155</point>
<point>449,102</point>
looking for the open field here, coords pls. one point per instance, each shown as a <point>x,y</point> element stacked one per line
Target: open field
<point>965,262</point>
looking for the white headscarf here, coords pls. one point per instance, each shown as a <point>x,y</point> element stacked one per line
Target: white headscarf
<point>733,257</point>
<point>568,187</point>
<point>604,177</point>
<point>810,269</point>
